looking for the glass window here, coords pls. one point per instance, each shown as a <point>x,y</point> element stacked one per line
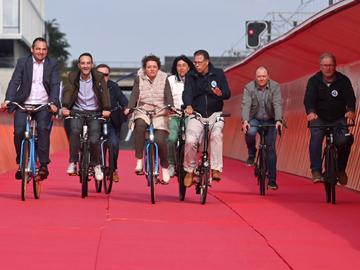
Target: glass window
<point>11,9</point>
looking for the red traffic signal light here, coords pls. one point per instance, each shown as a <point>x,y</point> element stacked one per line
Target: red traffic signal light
<point>254,31</point>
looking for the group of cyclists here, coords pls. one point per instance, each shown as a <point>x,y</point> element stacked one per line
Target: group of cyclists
<point>192,87</point>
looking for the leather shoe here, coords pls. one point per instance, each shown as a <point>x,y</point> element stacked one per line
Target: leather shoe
<point>216,175</point>
<point>343,178</point>
<point>188,180</point>
<point>18,175</point>
<point>43,172</point>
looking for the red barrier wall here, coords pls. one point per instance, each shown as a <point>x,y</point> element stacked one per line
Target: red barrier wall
<point>58,141</point>
<point>291,63</point>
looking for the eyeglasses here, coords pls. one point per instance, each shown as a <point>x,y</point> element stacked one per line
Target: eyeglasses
<point>105,74</point>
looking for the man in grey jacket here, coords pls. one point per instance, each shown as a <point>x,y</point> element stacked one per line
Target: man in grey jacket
<point>261,104</point>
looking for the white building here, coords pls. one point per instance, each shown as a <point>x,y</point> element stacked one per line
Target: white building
<point>21,21</point>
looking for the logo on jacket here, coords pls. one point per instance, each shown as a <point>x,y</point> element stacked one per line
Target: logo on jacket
<point>213,84</point>
<point>334,93</point>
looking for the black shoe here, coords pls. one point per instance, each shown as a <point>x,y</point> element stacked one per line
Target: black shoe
<point>18,175</point>
<point>272,185</point>
<point>250,161</point>
<point>43,172</point>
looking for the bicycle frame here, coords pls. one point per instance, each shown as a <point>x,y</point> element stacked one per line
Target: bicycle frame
<point>151,141</point>
<point>30,135</point>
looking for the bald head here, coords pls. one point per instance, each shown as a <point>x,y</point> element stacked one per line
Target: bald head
<point>261,76</point>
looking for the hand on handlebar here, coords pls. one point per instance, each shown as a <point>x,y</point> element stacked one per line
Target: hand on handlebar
<point>65,112</point>
<point>311,116</point>
<point>53,108</point>
<point>245,126</point>
<point>4,105</point>
<point>217,91</point>
<point>106,114</point>
<point>189,110</point>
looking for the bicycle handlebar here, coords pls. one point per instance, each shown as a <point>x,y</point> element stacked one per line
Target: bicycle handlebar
<point>29,108</point>
<point>96,116</point>
<point>333,125</point>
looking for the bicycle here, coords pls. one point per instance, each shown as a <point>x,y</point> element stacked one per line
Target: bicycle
<point>28,157</point>
<point>84,170</point>
<point>330,158</point>
<point>261,166</point>
<point>180,148</point>
<point>151,152</point>
<point>202,170</point>
<point>107,160</point>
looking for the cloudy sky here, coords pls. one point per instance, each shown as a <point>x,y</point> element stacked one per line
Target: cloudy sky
<point>118,31</point>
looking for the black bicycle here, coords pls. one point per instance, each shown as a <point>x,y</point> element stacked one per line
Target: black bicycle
<point>180,147</point>
<point>107,160</point>
<point>261,166</point>
<point>202,171</point>
<point>84,170</point>
<point>330,158</point>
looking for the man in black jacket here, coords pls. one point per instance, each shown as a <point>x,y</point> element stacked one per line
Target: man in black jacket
<point>329,98</point>
<point>205,90</point>
<point>118,103</point>
<point>35,81</point>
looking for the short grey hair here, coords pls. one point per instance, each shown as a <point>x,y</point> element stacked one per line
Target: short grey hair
<point>328,55</point>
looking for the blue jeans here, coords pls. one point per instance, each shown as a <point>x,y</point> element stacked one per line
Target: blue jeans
<point>342,141</point>
<point>270,140</point>
<point>114,136</point>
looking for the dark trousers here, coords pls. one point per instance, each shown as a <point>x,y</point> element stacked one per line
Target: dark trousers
<point>160,138</point>
<point>270,140</point>
<point>114,137</point>
<point>94,132</point>
<point>43,119</point>
<point>343,140</point>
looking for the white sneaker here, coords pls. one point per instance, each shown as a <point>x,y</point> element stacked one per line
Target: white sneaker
<point>98,173</point>
<point>139,166</point>
<point>171,170</point>
<point>71,170</point>
<point>165,175</point>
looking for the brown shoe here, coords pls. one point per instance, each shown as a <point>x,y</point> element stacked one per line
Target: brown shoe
<point>316,176</point>
<point>188,180</point>
<point>216,175</point>
<point>115,176</point>
<point>343,178</point>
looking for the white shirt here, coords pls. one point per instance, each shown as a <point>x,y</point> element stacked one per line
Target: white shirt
<point>38,94</point>
<point>177,88</point>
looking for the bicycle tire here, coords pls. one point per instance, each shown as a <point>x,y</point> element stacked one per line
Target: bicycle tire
<point>36,186</point>
<point>98,185</point>
<point>181,172</point>
<point>150,171</point>
<point>84,171</point>
<point>108,166</point>
<point>25,152</point>
<point>262,172</point>
<point>204,184</point>
<point>330,174</point>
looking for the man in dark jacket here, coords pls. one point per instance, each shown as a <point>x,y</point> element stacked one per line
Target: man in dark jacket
<point>118,103</point>
<point>205,90</point>
<point>329,99</point>
<point>86,93</point>
<point>35,81</point>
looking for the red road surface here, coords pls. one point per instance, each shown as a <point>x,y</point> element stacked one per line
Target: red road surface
<point>292,228</point>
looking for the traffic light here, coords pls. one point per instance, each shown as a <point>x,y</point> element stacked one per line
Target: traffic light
<point>254,31</point>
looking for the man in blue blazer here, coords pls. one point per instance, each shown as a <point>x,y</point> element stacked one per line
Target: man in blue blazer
<point>35,81</point>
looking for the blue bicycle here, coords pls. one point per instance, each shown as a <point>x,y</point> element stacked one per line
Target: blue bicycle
<point>28,157</point>
<point>151,152</point>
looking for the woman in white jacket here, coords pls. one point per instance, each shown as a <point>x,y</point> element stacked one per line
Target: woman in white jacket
<point>180,68</point>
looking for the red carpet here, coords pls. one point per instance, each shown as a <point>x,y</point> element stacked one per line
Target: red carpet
<point>292,228</point>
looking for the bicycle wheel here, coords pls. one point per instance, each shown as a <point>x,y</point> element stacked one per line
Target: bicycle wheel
<point>330,174</point>
<point>84,171</point>
<point>150,172</point>
<point>108,166</point>
<point>262,172</point>
<point>204,184</point>
<point>25,177</point>
<point>181,172</point>
<point>37,186</point>
<point>98,185</point>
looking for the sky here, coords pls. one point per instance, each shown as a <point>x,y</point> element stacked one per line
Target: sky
<point>121,32</point>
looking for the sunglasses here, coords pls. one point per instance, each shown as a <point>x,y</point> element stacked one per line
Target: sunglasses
<point>105,74</point>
